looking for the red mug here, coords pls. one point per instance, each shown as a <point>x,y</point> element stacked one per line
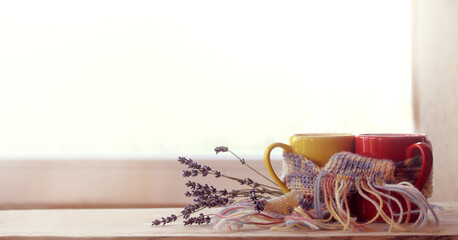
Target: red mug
<point>396,147</point>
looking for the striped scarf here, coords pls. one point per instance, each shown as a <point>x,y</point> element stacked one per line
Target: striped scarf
<point>320,198</point>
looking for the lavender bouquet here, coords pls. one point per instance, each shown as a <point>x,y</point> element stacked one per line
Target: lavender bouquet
<point>207,196</point>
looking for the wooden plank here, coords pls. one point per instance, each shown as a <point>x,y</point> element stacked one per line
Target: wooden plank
<point>136,224</point>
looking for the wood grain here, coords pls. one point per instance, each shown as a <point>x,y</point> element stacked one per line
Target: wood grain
<point>136,224</point>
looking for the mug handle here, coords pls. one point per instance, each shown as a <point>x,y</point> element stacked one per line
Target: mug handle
<point>286,148</point>
<point>427,161</point>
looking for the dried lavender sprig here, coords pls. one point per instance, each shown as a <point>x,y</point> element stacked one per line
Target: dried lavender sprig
<point>275,191</point>
<point>201,219</point>
<point>174,217</point>
<point>226,149</point>
<point>205,192</point>
<point>215,201</point>
<point>163,221</point>
<point>208,196</point>
<point>205,170</point>
<point>250,167</point>
<point>205,197</point>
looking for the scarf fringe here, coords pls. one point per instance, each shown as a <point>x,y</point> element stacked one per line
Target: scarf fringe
<point>336,207</point>
<point>233,218</point>
<point>382,196</point>
<point>320,198</point>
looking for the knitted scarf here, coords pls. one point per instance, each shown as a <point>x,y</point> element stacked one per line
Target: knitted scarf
<point>320,197</point>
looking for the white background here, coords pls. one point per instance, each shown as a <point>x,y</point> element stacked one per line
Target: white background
<point>147,79</point>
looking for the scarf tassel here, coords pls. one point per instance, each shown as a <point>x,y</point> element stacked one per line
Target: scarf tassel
<point>327,204</point>
<point>335,192</point>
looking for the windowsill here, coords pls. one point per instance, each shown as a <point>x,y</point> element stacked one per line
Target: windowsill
<point>26,184</point>
<point>136,224</point>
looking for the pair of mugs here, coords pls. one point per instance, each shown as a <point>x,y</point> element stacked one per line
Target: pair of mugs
<point>319,148</point>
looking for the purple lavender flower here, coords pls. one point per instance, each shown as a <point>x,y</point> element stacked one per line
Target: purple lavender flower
<point>191,185</point>
<point>223,192</point>
<point>186,173</point>
<point>259,205</point>
<point>194,172</point>
<point>221,149</point>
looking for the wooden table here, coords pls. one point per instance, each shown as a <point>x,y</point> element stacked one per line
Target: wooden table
<point>136,224</point>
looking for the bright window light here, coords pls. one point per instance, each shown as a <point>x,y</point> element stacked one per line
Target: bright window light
<point>167,78</point>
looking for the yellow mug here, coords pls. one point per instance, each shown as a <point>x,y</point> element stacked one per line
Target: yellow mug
<point>318,148</point>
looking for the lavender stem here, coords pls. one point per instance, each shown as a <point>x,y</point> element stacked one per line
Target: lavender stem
<point>244,162</point>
